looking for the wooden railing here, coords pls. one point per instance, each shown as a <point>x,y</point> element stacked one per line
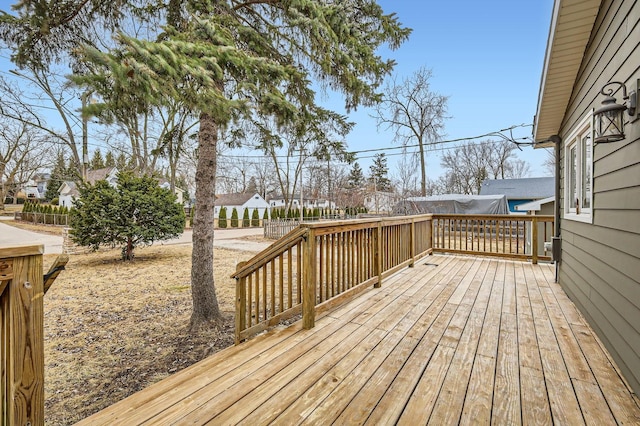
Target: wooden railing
<point>320,265</point>
<point>512,236</point>
<point>278,228</point>
<point>22,331</point>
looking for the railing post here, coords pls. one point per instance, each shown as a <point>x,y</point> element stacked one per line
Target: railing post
<point>534,239</point>
<point>22,343</point>
<point>309,281</point>
<point>378,255</point>
<point>241,303</point>
<point>412,247</point>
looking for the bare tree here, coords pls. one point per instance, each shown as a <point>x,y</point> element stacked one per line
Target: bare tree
<point>263,172</point>
<point>405,179</point>
<point>22,154</point>
<point>32,107</point>
<point>415,113</point>
<point>290,148</point>
<point>549,163</point>
<point>468,165</point>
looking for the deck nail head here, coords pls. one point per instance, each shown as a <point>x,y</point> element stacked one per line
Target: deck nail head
<point>27,285</point>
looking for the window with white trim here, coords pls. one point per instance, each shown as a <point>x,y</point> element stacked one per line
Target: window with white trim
<point>578,174</point>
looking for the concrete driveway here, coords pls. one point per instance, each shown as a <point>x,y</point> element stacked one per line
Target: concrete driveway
<point>226,238</point>
<point>12,236</point>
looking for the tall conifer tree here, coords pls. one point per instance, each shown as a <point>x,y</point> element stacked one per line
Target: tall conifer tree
<point>232,60</point>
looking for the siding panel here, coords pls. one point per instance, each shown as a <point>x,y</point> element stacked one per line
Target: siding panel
<point>600,267</point>
<point>605,319</point>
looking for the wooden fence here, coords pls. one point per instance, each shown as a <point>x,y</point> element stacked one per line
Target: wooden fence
<point>22,331</point>
<point>512,236</point>
<point>320,265</point>
<point>44,218</point>
<point>277,228</point>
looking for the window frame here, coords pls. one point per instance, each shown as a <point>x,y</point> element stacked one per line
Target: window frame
<point>578,171</point>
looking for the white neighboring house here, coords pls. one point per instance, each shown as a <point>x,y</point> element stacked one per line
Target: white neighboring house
<point>380,201</point>
<point>36,186</point>
<point>240,201</point>
<point>69,191</point>
<point>277,201</point>
<point>179,193</point>
<point>545,206</point>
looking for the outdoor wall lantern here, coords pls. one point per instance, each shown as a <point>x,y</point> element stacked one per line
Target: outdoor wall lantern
<point>609,118</point>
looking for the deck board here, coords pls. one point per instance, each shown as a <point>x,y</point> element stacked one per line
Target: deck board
<point>453,340</point>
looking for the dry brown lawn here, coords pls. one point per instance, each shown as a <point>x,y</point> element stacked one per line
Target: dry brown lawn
<point>113,328</point>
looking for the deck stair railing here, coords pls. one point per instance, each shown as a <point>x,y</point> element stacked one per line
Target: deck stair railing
<point>22,288</point>
<point>320,265</point>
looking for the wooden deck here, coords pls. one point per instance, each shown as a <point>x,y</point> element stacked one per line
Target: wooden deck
<point>453,340</point>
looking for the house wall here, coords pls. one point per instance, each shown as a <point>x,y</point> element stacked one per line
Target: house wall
<point>600,266</point>
<point>251,204</point>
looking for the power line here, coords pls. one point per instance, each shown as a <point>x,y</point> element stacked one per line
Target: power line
<point>499,133</point>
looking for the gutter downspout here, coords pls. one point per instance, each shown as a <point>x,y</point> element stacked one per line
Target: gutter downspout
<point>557,242</point>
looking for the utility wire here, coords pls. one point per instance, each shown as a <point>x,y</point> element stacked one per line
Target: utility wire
<point>518,141</point>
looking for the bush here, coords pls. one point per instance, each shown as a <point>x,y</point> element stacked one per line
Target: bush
<point>265,216</point>
<point>55,201</point>
<point>255,218</point>
<point>245,218</point>
<point>222,218</point>
<point>234,218</point>
<point>136,212</point>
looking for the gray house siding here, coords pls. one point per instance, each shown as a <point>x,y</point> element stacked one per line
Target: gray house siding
<point>600,267</point>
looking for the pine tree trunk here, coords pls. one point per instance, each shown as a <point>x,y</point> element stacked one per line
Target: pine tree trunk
<point>128,250</point>
<point>205,303</point>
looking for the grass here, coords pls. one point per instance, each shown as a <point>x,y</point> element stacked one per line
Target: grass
<point>113,328</point>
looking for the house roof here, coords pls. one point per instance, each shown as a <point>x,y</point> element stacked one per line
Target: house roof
<point>520,189</point>
<point>571,26</point>
<point>163,183</point>
<point>534,205</point>
<point>68,188</point>
<point>99,174</point>
<point>237,199</point>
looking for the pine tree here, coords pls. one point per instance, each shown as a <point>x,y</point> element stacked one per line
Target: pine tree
<point>97,162</point>
<point>234,218</point>
<point>246,222</point>
<point>378,173</point>
<point>222,218</point>
<point>355,180</point>
<point>122,163</point>
<point>58,176</point>
<point>269,53</point>
<point>255,218</point>
<point>109,160</point>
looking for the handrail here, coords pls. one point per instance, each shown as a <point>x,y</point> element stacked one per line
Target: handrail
<point>322,264</point>
<point>271,252</point>
<point>22,342</point>
<point>254,312</point>
<point>509,236</point>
